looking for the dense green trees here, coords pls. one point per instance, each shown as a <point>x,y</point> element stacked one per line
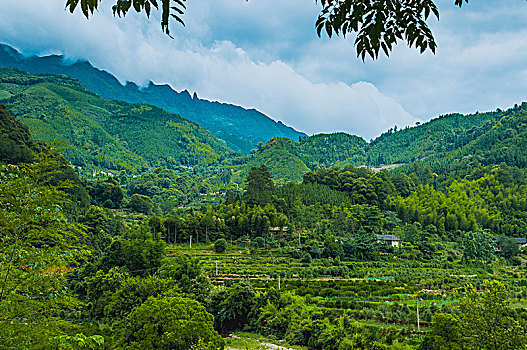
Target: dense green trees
<point>171,323</point>
<point>107,193</point>
<point>259,186</point>
<point>38,244</point>
<point>139,254</point>
<point>487,202</point>
<point>363,185</point>
<point>141,204</point>
<point>478,246</point>
<point>485,321</point>
<point>15,140</point>
<point>233,307</point>
<point>445,333</point>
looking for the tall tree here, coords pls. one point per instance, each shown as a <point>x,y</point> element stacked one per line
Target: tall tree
<point>260,186</point>
<point>37,246</point>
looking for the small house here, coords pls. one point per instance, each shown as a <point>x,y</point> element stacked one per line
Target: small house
<point>278,230</point>
<point>392,240</point>
<point>521,241</point>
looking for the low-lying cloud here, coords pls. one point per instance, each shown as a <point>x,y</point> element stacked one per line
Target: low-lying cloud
<point>134,49</point>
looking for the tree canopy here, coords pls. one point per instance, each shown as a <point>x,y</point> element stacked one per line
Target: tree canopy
<point>378,24</point>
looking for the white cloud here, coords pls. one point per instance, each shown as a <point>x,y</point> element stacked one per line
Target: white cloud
<point>265,54</point>
<point>134,49</point>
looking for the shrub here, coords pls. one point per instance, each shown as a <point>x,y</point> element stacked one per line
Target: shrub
<point>258,242</point>
<point>220,245</point>
<point>171,323</point>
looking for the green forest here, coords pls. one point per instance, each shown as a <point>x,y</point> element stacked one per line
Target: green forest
<point>124,226</point>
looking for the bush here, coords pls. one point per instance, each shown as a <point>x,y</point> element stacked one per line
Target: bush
<point>220,245</point>
<point>171,323</point>
<point>258,242</point>
<point>141,204</point>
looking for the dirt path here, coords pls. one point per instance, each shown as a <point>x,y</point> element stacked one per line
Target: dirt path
<point>274,346</point>
<point>267,345</point>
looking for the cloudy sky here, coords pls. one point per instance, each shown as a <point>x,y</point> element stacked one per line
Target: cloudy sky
<point>265,54</point>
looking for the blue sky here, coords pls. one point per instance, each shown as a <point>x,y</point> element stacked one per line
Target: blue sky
<point>265,54</point>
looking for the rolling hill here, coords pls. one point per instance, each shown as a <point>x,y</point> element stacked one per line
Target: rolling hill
<point>447,143</point>
<point>118,135</point>
<point>105,134</point>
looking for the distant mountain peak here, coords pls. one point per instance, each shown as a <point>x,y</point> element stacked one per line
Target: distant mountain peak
<point>241,129</point>
<point>12,52</point>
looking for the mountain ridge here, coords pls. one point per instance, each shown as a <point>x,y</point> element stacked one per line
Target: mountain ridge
<point>102,133</point>
<point>228,122</point>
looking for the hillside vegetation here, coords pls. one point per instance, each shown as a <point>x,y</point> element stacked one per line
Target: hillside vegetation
<point>449,143</point>
<point>241,129</point>
<point>105,134</point>
<point>292,242</point>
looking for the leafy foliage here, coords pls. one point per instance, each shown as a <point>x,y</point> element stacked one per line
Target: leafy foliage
<point>170,8</point>
<point>378,24</point>
<point>38,244</point>
<point>171,323</point>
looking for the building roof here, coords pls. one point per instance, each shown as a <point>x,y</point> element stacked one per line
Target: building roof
<point>285,228</point>
<point>519,240</point>
<point>389,237</point>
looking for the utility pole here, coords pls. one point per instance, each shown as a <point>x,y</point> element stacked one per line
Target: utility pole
<point>418,326</point>
<point>299,243</point>
<point>278,282</point>
<point>216,267</point>
<point>190,241</point>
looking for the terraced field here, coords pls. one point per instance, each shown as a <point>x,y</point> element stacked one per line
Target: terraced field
<point>382,293</point>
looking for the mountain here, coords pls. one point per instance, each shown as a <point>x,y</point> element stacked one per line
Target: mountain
<point>241,129</point>
<point>105,134</point>
<point>454,141</point>
<point>446,143</point>
<point>289,160</point>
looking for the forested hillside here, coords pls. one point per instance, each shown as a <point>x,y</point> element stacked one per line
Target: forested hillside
<point>289,160</point>
<point>500,139</point>
<point>451,143</point>
<point>241,129</point>
<point>104,134</point>
<point>440,135</point>
<point>108,135</point>
<point>345,258</point>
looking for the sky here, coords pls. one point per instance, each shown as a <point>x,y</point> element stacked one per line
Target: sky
<point>265,54</point>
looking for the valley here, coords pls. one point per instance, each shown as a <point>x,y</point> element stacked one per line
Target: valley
<point>146,229</point>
